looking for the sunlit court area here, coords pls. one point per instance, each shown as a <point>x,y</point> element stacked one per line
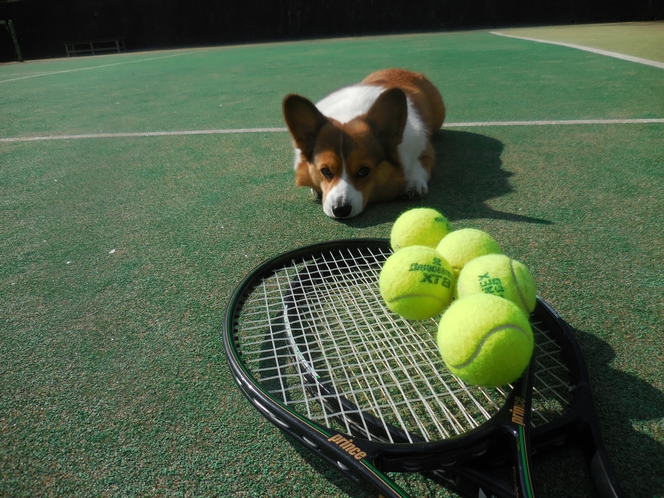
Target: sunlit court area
<point>172,322</point>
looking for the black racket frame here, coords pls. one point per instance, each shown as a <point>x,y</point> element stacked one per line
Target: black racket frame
<point>451,464</point>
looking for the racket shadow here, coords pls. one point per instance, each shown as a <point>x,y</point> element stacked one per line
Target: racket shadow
<point>275,368</point>
<point>630,412</point>
<point>333,477</point>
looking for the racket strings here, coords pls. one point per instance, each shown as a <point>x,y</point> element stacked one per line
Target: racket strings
<point>418,356</point>
<point>349,357</point>
<point>380,364</point>
<point>317,336</point>
<point>392,358</point>
<point>553,386</point>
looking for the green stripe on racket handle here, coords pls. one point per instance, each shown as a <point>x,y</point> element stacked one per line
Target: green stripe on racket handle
<point>521,418</point>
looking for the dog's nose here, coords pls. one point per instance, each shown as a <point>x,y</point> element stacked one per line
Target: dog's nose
<point>342,211</point>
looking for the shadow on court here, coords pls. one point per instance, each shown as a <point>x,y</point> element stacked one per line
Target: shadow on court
<point>467,174</point>
<point>618,398</point>
<point>335,478</point>
<point>630,409</point>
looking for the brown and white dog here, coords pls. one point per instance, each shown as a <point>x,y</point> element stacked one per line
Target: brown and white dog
<point>368,142</point>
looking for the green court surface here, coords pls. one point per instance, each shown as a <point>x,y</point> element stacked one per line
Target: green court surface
<point>643,40</point>
<point>137,190</point>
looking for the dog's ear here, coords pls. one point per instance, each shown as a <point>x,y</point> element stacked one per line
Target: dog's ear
<point>387,117</point>
<point>304,121</point>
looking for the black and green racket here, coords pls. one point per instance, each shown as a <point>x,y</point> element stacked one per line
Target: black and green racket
<point>312,346</point>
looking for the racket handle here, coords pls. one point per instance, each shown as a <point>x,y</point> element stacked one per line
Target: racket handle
<point>520,431</point>
<point>523,480</point>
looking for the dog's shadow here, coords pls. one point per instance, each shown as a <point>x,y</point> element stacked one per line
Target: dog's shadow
<point>468,173</point>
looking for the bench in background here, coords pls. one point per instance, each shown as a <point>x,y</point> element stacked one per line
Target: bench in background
<point>95,47</point>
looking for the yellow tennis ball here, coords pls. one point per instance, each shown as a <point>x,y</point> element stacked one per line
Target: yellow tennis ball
<point>485,340</point>
<point>416,283</point>
<point>462,246</point>
<point>499,275</point>
<point>419,227</point>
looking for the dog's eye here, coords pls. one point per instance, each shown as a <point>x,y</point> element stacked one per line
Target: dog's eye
<point>327,173</point>
<point>363,172</point>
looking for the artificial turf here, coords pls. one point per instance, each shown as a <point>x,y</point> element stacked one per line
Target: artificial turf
<point>119,254</point>
<point>643,39</point>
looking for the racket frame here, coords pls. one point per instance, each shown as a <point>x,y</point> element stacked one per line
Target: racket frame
<point>378,457</point>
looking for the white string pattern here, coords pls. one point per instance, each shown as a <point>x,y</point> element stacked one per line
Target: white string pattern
<point>323,318</point>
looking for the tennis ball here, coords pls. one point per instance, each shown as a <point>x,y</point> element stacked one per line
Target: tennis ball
<point>499,275</point>
<point>419,227</point>
<point>416,282</point>
<point>466,244</point>
<point>485,340</point>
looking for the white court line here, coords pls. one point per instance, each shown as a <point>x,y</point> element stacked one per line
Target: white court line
<point>49,73</point>
<point>470,124</point>
<point>559,122</point>
<point>615,55</point>
<point>144,134</point>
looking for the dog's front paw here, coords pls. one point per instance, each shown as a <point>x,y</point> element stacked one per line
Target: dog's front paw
<point>415,189</point>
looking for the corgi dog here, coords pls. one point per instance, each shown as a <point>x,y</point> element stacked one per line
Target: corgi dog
<point>368,142</point>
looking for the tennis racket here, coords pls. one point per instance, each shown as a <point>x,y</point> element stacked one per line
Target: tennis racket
<point>312,346</point>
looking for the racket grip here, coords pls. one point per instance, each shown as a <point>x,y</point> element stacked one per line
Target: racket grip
<point>521,433</point>
<point>523,479</point>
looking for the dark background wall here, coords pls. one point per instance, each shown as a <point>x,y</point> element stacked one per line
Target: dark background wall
<point>42,25</point>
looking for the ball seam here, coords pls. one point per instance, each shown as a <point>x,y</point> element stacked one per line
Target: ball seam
<point>478,349</point>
